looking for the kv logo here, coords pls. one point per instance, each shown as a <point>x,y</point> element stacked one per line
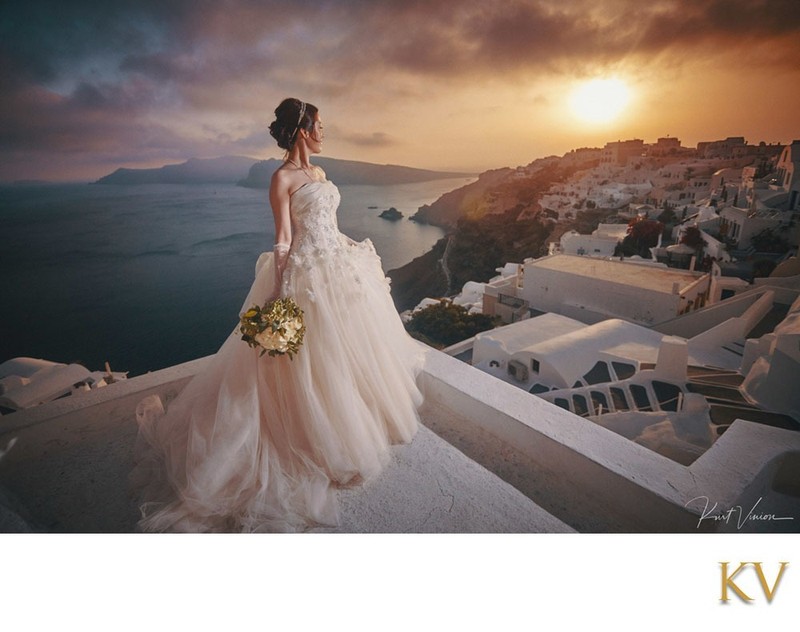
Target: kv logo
<point>728,581</point>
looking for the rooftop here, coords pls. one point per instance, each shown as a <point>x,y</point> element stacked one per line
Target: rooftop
<point>574,347</point>
<point>531,331</point>
<point>647,277</point>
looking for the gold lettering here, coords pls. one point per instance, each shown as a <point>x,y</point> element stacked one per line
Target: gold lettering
<point>769,593</point>
<point>727,581</point>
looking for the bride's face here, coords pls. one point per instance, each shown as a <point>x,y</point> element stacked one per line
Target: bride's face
<point>314,139</point>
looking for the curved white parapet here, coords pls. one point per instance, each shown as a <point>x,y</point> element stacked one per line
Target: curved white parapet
<point>29,382</point>
<point>45,385</point>
<point>24,367</point>
<point>606,478</point>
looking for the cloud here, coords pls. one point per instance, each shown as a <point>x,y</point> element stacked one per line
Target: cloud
<point>517,35</point>
<point>77,76</point>
<point>375,139</point>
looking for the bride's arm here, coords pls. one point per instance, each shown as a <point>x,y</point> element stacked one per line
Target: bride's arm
<point>279,201</point>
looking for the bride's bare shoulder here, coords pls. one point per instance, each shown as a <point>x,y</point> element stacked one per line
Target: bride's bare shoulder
<point>281,174</point>
<point>283,178</point>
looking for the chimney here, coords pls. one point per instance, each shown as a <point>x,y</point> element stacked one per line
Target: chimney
<point>673,358</point>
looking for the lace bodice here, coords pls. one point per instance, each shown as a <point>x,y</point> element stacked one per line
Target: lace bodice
<point>315,228</point>
<point>316,238</point>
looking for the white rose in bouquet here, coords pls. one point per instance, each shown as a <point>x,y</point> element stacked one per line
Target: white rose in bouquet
<point>277,327</point>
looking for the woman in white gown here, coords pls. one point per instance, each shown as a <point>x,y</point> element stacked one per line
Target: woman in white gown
<point>260,443</point>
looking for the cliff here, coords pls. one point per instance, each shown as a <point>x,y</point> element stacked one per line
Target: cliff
<point>490,222</point>
<point>349,172</point>
<point>419,278</point>
<point>471,200</point>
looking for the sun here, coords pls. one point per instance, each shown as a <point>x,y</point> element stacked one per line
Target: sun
<point>600,100</point>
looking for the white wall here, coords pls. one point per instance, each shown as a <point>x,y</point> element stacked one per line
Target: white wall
<point>553,291</point>
<point>573,243</point>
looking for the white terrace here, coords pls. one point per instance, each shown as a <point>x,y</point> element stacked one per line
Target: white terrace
<point>490,458</point>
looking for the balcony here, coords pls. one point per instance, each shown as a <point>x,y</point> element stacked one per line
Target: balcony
<point>489,458</point>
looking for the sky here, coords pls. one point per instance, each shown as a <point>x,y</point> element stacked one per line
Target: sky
<point>88,87</point>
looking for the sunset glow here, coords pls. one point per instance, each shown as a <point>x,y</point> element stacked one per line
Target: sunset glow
<point>600,100</point>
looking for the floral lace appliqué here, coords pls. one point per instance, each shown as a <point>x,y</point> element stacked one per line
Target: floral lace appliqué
<point>317,241</point>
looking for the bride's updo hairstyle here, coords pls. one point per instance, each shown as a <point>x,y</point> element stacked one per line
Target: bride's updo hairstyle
<point>291,116</point>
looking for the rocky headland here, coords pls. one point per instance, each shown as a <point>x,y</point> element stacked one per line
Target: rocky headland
<point>489,222</point>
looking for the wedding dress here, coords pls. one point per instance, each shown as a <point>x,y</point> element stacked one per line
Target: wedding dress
<point>260,443</point>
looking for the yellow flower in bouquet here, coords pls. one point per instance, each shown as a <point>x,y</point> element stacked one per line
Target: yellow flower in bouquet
<point>276,328</point>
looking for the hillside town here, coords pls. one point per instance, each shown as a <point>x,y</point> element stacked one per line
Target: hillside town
<point>676,315</point>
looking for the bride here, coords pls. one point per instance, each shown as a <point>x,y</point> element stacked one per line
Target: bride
<point>260,443</point>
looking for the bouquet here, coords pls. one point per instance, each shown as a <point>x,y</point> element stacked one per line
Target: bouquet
<point>277,327</point>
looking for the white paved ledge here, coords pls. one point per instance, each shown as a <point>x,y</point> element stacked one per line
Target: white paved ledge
<point>498,460</point>
<point>68,470</point>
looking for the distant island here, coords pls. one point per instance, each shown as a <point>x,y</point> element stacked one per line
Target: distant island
<point>391,214</point>
<point>350,172</point>
<point>254,173</point>
<point>222,170</point>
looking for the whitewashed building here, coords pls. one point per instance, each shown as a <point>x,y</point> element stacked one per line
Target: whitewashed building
<point>773,365</point>
<point>601,243</point>
<point>591,290</point>
<point>789,173</point>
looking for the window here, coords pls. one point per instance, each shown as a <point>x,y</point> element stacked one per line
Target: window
<point>561,403</point>
<point>598,374</point>
<point>518,370</point>
<point>640,397</point>
<point>534,365</point>
<point>579,401</point>
<point>667,395</point>
<point>618,398</point>
<point>623,370</point>
<point>538,388</point>
<point>599,403</point>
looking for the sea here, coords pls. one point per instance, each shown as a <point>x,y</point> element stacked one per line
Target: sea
<point>148,276</point>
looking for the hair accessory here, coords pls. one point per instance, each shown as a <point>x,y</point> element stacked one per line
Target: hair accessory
<point>299,120</point>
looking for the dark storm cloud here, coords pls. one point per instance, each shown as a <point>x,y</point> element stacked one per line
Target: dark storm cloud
<point>44,39</point>
<point>79,75</point>
<point>724,21</point>
<point>92,118</point>
<point>513,35</point>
